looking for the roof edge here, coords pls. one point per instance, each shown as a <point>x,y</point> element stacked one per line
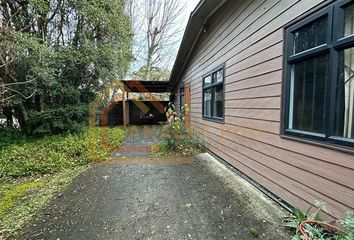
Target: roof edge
<point>200,15</point>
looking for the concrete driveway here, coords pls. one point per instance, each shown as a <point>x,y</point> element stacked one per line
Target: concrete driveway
<point>142,197</point>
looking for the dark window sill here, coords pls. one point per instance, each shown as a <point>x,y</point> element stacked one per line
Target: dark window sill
<point>214,119</point>
<point>318,143</point>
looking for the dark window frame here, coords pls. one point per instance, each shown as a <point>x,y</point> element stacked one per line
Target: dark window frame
<point>181,96</point>
<point>211,86</point>
<point>334,44</point>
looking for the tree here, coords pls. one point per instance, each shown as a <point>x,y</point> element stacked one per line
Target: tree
<point>56,55</point>
<point>156,32</point>
<point>155,74</point>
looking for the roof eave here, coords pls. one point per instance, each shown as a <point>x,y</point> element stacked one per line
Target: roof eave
<point>204,10</point>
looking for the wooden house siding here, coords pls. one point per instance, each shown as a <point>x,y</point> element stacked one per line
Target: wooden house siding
<point>247,36</point>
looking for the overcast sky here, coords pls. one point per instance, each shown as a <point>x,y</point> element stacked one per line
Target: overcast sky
<point>190,5</point>
<point>182,23</point>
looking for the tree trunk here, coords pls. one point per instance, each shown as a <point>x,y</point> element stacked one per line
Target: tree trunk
<point>22,116</point>
<point>7,111</point>
<point>40,100</point>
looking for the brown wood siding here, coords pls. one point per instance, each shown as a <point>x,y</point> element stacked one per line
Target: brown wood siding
<point>248,37</point>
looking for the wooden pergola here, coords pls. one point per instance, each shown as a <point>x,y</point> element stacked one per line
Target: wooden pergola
<point>141,86</point>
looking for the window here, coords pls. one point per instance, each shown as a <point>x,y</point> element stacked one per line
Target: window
<point>319,84</point>
<point>213,95</point>
<point>181,98</point>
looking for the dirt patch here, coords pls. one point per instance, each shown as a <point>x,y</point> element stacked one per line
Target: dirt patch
<point>132,150</point>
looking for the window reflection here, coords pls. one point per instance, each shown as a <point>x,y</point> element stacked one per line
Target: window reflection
<point>207,102</point>
<point>349,20</point>
<point>207,80</point>
<point>219,102</point>
<point>345,95</point>
<point>310,36</point>
<point>308,83</point>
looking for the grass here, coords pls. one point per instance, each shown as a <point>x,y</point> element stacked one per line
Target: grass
<point>21,201</point>
<point>51,154</point>
<point>10,194</point>
<point>33,170</point>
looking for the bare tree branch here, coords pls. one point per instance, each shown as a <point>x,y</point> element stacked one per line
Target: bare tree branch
<point>158,31</point>
<point>18,92</point>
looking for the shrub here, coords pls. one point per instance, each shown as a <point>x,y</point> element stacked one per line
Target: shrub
<point>11,136</point>
<point>54,153</point>
<point>293,222</point>
<point>176,136</point>
<point>348,223</point>
<point>317,231</point>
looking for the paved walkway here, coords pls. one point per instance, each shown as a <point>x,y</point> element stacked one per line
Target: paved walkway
<point>159,198</point>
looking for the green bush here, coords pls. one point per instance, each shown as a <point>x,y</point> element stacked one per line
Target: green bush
<point>348,223</point>
<point>9,136</point>
<point>59,120</point>
<point>176,136</point>
<point>54,153</point>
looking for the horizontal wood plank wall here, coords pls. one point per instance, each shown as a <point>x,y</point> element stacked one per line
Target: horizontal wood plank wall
<point>248,37</point>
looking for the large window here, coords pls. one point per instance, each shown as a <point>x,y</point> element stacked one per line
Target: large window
<point>319,86</point>
<point>213,95</point>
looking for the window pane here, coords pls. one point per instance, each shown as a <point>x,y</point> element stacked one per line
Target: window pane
<point>345,95</point>
<point>310,36</point>
<point>207,80</point>
<point>218,102</point>
<point>181,98</point>
<point>181,90</point>
<point>349,20</point>
<point>308,94</point>
<point>181,102</point>
<point>219,76</point>
<point>214,77</point>
<point>207,103</point>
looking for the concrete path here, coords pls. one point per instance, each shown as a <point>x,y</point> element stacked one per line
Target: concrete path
<point>159,198</point>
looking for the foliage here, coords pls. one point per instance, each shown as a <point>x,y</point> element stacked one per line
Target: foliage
<point>176,136</point>
<point>63,119</point>
<point>348,223</point>
<point>55,56</point>
<point>254,232</point>
<point>11,136</point>
<point>10,194</point>
<point>116,136</point>
<point>317,232</point>
<point>34,195</point>
<point>54,153</point>
<point>155,74</point>
<point>298,216</point>
<point>102,140</point>
<point>158,149</point>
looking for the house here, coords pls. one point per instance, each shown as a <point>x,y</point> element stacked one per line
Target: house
<point>270,84</point>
